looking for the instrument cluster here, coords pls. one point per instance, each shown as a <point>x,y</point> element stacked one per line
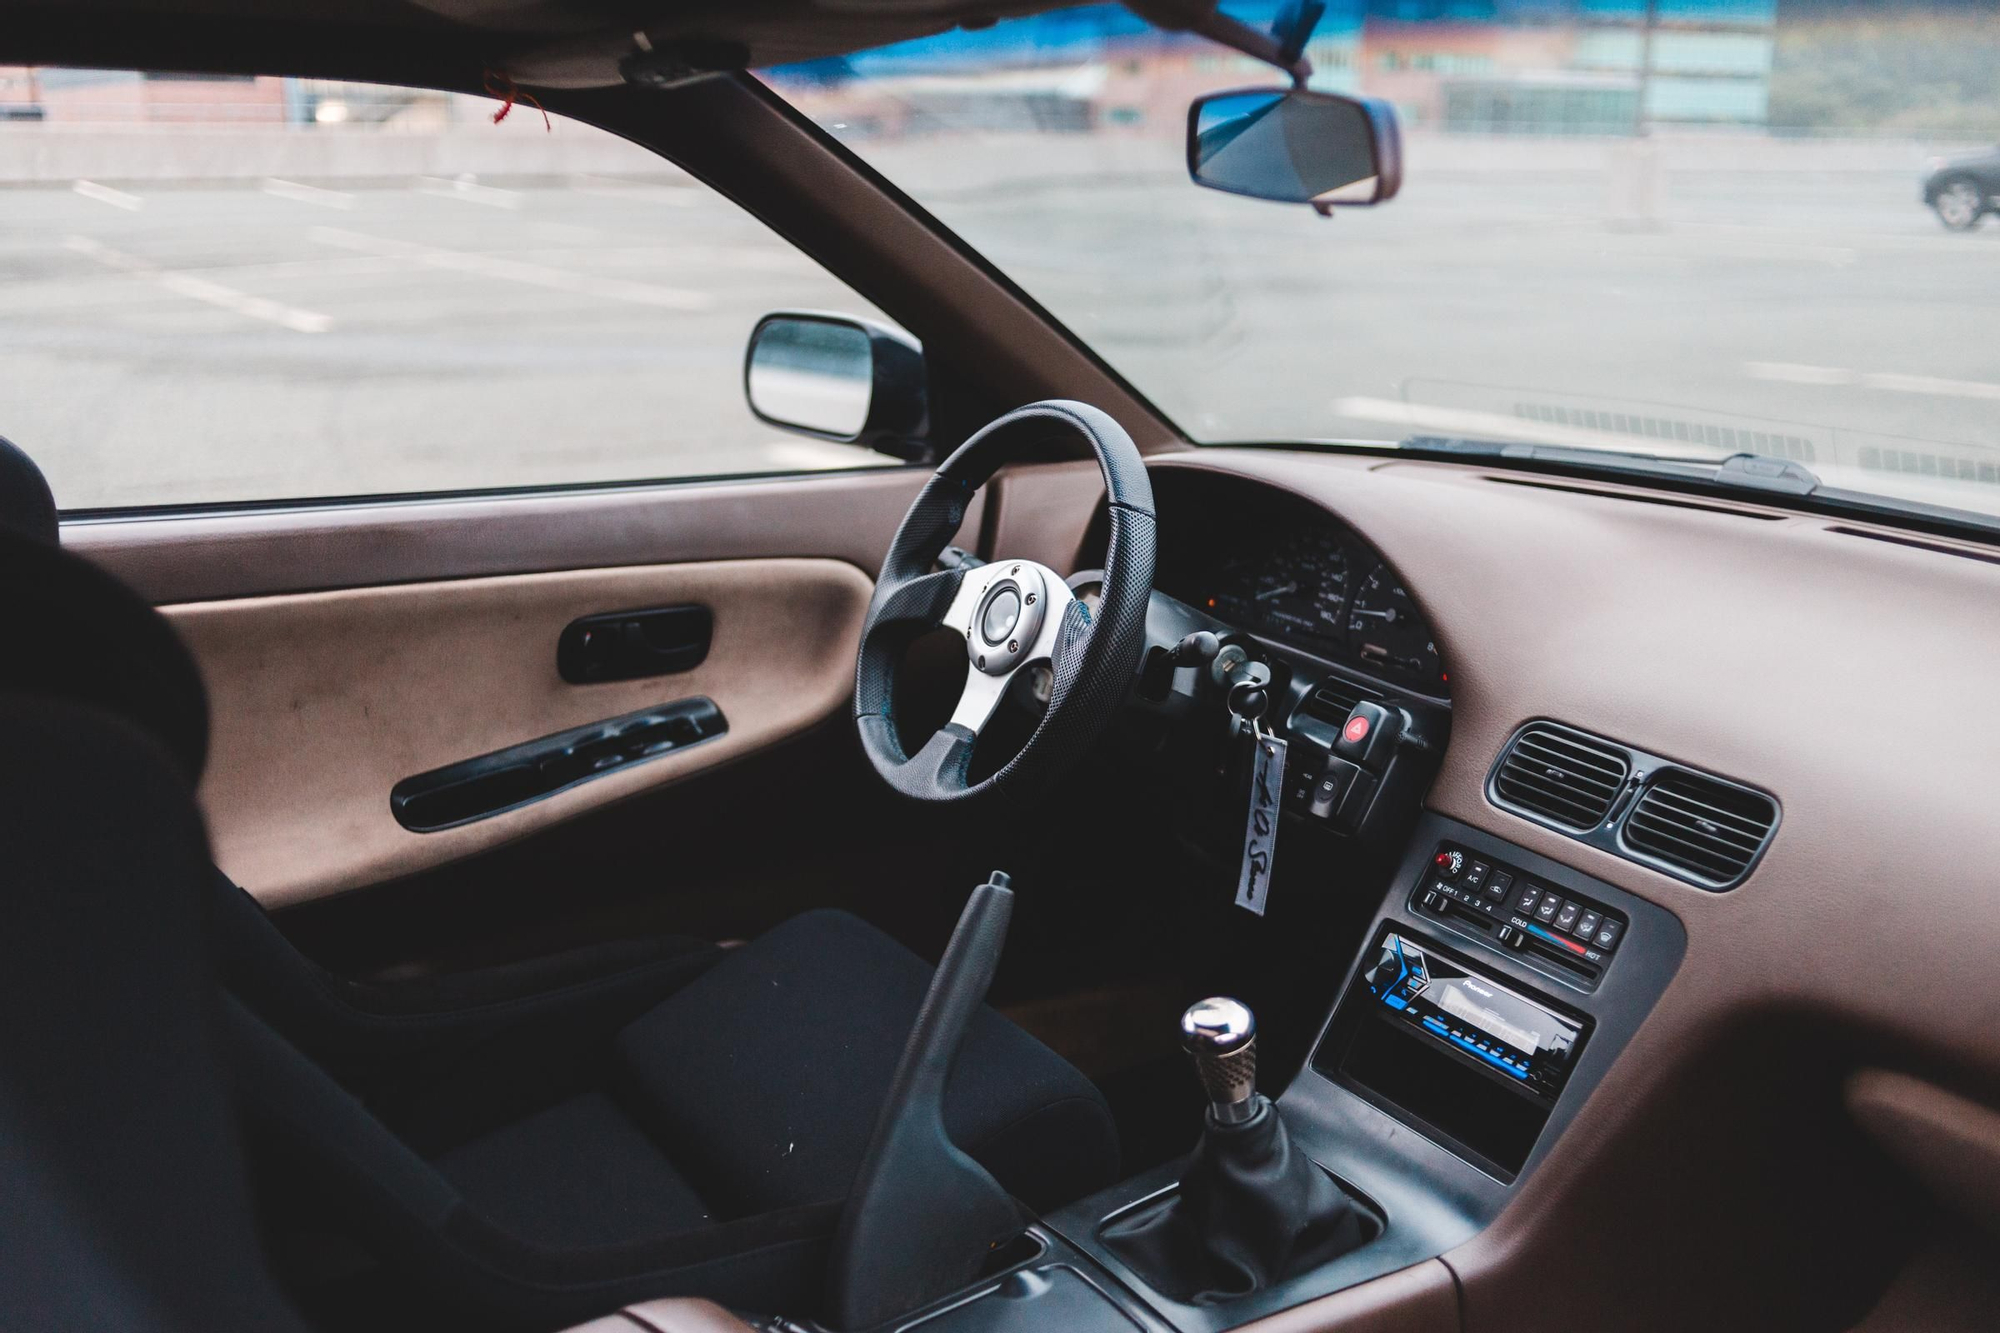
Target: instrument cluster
<point>1289,572</point>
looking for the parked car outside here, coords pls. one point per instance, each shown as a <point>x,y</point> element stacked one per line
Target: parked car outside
<point>1965,188</point>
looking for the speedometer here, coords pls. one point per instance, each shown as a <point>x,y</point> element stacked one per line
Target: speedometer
<point>1384,629</point>
<point>1296,588</point>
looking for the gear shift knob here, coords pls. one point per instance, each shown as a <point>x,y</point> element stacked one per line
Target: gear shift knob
<point>1252,1209</point>
<point>1221,1035</point>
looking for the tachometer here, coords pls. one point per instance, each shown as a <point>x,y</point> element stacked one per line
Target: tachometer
<point>1384,629</point>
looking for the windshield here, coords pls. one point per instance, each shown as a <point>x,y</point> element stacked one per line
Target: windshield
<point>1690,228</point>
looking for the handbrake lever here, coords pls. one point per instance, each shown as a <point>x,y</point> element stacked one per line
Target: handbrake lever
<point>923,1217</point>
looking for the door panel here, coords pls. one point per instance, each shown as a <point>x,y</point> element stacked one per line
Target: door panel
<point>323,701</point>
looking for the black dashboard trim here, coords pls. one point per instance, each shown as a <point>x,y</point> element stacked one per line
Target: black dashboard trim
<point>1362,561</point>
<point>1608,834</point>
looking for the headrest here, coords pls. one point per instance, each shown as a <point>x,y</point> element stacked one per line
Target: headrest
<point>26,503</point>
<point>68,630</point>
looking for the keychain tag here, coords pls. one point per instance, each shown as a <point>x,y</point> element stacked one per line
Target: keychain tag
<point>1260,829</point>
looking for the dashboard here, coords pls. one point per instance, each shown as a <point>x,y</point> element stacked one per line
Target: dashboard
<point>1285,570</point>
<point>1722,635</point>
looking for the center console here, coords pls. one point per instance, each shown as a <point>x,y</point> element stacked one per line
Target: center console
<point>1494,990</point>
<point>1467,1033</point>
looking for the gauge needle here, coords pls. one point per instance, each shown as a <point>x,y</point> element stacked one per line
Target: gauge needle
<point>1387,617</point>
<point>1269,593</point>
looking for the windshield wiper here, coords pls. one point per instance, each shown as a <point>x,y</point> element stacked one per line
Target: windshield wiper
<point>1734,474</point>
<point>1745,471</point>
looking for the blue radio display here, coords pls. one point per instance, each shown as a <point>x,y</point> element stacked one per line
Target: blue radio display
<point>1481,1021</point>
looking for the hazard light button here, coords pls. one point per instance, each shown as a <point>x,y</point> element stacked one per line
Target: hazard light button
<point>1369,734</point>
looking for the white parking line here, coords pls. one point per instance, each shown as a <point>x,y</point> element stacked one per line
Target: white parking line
<point>1786,372</point>
<point>610,187</point>
<point>307,194</point>
<point>701,257</point>
<point>1833,256</point>
<point>1874,238</point>
<point>514,270</point>
<point>202,289</point>
<point>811,456</point>
<point>1476,425</point>
<point>471,191</point>
<point>104,194</point>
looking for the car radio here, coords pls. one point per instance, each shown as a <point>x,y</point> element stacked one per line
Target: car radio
<point>1476,1062</point>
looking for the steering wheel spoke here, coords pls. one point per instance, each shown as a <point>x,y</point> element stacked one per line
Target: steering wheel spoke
<point>982,694</point>
<point>915,605</point>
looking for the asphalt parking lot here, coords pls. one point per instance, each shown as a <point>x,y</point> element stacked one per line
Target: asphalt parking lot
<point>261,339</point>
<point>1828,308</point>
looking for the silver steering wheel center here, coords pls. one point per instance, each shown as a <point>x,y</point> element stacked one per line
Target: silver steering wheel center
<point>1002,613</point>
<point>1008,612</point>
<point>1010,601</point>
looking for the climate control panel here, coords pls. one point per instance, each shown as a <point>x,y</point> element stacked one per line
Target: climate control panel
<point>1569,936</point>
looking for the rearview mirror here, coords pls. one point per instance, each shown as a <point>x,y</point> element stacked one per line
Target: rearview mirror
<point>1296,146</point>
<point>835,377</point>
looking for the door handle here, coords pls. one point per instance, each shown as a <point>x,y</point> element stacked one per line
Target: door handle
<point>628,645</point>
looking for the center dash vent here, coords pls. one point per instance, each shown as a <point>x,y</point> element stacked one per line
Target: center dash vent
<point>1564,777</point>
<point>1333,699</point>
<point>1706,828</point>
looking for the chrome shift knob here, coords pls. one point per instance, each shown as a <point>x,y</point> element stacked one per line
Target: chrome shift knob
<point>1221,1035</point>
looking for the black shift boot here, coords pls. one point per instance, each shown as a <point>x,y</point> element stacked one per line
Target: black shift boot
<point>1252,1209</point>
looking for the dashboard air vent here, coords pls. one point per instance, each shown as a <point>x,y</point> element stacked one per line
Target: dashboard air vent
<point>1333,698</point>
<point>1709,829</point>
<point>1563,776</point>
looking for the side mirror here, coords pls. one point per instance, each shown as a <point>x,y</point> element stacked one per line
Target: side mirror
<point>839,378</point>
<point>1296,146</point>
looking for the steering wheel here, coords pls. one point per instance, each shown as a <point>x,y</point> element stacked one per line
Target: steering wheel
<point>1010,613</point>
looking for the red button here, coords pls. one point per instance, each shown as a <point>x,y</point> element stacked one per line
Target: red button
<point>1356,730</point>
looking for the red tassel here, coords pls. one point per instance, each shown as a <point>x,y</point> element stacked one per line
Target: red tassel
<point>501,86</point>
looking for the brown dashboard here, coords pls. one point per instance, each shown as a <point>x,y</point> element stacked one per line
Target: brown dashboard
<point>1841,668</point>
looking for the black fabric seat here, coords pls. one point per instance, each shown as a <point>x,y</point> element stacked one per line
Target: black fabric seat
<point>766,1074</point>
<point>668,1119</point>
<point>530,1145</point>
<point>126,1198</point>
<point>581,1172</point>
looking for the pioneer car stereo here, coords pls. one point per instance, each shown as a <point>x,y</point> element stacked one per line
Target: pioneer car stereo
<point>1475,1062</point>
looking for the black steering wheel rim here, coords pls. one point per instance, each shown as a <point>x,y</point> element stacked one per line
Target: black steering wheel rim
<point>1093,658</point>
